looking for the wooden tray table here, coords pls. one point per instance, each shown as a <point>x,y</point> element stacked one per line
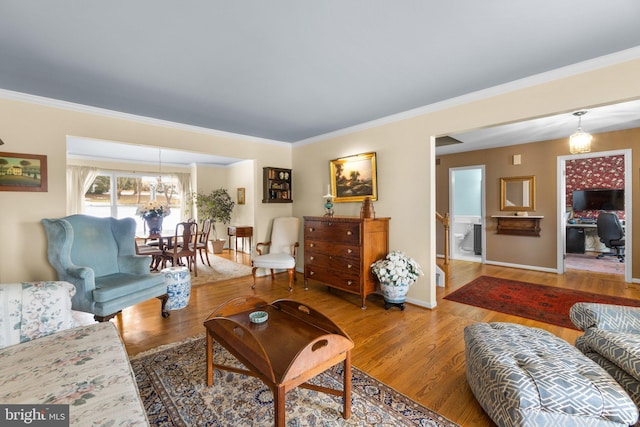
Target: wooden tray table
<point>294,345</point>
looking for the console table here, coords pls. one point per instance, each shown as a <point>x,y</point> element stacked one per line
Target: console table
<point>518,225</point>
<point>240,231</point>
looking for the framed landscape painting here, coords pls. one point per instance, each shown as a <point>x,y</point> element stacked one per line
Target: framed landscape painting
<point>23,172</point>
<point>354,177</point>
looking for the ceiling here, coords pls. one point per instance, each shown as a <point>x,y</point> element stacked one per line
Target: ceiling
<point>291,71</point>
<point>83,148</point>
<point>609,118</point>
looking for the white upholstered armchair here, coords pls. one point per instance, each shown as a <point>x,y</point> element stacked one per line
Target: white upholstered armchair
<point>279,253</point>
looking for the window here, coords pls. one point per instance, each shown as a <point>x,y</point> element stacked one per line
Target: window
<point>132,190</point>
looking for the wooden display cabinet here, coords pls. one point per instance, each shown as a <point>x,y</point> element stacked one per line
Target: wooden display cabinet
<point>276,185</point>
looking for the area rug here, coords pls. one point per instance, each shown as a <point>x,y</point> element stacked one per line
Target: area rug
<point>172,384</point>
<point>538,302</point>
<point>588,262</point>
<point>221,269</point>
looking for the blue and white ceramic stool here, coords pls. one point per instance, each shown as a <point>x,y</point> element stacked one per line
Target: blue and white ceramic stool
<point>178,281</point>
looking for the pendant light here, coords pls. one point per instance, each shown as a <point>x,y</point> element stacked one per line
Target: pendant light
<point>580,142</point>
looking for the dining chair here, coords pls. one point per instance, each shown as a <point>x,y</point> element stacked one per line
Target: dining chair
<point>183,246</point>
<point>152,250</point>
<point>203,240</point>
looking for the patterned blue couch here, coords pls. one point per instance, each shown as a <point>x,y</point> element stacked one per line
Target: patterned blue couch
<point>612,339</point>
<point>525,376</point>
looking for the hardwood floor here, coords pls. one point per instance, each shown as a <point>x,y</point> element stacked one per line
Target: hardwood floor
<point>419,352</point>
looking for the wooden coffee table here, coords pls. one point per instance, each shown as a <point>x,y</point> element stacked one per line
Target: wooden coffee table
<point>294,345</point>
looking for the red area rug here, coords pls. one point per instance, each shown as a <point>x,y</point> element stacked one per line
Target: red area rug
<point>538,302</point>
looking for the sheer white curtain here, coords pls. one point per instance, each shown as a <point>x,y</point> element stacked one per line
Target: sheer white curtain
<point>79,179</point>
<point>184,180</point>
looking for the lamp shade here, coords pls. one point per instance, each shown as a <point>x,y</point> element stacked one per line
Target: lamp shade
<point>580,142</point>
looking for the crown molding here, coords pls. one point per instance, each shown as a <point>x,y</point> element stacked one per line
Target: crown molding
<point>537,79</point>
<point>546,77</point>
<point>80,108</point>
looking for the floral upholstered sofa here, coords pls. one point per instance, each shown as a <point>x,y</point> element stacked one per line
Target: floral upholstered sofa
<point>48,358</point>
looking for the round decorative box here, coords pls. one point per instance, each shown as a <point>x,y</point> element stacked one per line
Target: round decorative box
<point>178,281</point>
<point>258,316</point>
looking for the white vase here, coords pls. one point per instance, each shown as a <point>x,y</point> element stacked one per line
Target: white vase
<point>394,293</point>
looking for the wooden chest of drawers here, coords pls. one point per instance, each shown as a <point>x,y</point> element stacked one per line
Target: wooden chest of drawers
<point>339,251</point>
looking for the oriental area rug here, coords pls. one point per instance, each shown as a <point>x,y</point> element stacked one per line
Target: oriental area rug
<point>221,269</point>
<point>537,302</point>
<point>172,384</point>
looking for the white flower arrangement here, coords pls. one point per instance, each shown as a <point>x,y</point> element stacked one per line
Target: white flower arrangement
<point>153,208</point>
<point>397,269</point>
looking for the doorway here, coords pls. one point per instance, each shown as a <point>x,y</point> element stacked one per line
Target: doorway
<point>580,226</point>
<point>466,205</point>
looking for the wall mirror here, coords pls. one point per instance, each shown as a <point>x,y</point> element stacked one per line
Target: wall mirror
<point>518,193</point>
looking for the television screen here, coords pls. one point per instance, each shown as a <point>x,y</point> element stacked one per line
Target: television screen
<point>598,200</point>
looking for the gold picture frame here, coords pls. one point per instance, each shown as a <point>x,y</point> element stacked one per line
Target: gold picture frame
<point>353,178</point>
<point>518,193</point>
<point>23,172</point>
<point>241,194</point>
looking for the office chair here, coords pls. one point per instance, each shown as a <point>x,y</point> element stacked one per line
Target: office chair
<point>611,234</point>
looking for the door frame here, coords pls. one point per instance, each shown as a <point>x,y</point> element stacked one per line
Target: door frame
<point>628,206</point>
<point>483,256</point>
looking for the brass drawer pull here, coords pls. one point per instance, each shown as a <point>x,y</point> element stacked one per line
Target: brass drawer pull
<point>349,251</point>
<point>349,265</point>
<point>311,245</point>
<point>311,258</point>
<point>311,273</point>
<point>349,233</point>
<point>350,282</point>
<point>311,229</point>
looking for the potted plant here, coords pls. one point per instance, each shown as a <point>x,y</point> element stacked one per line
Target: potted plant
<point>396,272</point>
<point>216,206</point>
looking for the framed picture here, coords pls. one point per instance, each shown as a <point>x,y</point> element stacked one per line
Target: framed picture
<point>353,178</point>
<point>23,172</point>
<point>241,196</point>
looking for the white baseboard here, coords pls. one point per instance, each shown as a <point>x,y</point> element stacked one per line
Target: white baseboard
<point>521,266</point>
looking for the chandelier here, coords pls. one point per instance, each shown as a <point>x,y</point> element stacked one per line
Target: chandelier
<point>159,185</point>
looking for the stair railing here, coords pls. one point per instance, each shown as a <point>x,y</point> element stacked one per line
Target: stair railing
<point>446,223</point>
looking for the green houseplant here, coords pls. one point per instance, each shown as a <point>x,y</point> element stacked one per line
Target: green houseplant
<point>216,206</point>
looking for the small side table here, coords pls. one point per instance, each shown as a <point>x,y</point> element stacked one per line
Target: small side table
<point>240,231</point>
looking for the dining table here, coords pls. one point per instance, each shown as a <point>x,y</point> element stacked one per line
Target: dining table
<point>163,241</point>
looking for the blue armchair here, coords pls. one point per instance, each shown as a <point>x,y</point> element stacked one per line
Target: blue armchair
<point>97,255</point>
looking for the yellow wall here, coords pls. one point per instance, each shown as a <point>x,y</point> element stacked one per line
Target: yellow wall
<point>406,170</point>
<point>406,161</point>
<point>38,129</point>
<point>539,159</point>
